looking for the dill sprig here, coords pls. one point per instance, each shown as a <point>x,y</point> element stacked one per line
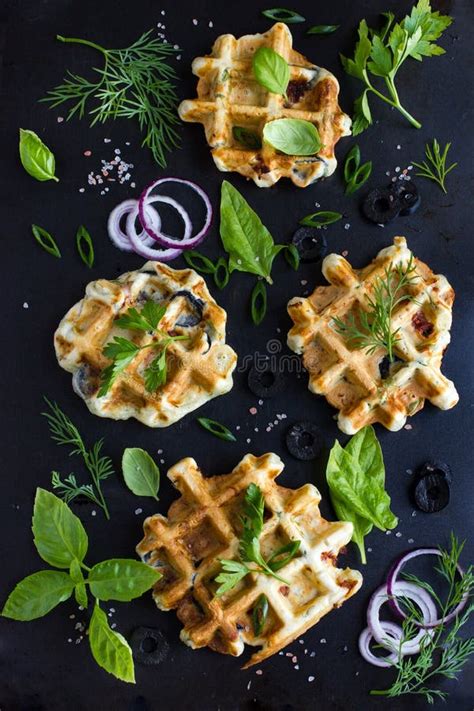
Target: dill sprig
<point>134,83</point>
<point>445,653</point>
<point>371,328</point>
<point>437,171</point>
<point>63,431</point>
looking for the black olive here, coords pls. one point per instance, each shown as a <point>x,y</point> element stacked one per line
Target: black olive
<point>265,381</point>
<point>149,646</point>
<point>85,381</point>
<point>435,467</point>
<point>381,205</point>
<point>432,493</point>
<point>304,440</point>
<point>408,195</point>
<point>197,306</point>
<point>310,243</point>
<point>384,367</point>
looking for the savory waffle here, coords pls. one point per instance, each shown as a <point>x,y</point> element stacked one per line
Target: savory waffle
<point>229,97</point>
<point>363,386</point>
<point>204,524</point>
<point>199,368</point>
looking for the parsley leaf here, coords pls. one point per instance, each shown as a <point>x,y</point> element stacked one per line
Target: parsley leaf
<point>156,372</point>
<point>233,571</point>
<point>145,320</point>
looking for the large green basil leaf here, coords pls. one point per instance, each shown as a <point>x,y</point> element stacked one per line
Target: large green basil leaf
<point>294,137</point>
<point>271,70</point>
<point>37,594</point>
<point>59,535</point>
<point>361,526</point>
<point>36,158</point>
<point>121,579</point>
<point>245,238</point>
<point>110,649</point>
<point>140,472</point>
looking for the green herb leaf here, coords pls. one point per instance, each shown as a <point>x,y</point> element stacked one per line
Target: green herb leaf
<point>281,14</point>
<point>249,139</point>
<point>35,156</point>
<point>362,115</point>
<point>199,262</point>
<point>110,649</point>
<point>434,168</point>
<point>45,240</point>
<point>258,302</point>
<point>37,594</point>
<point>85,246</point>
<point>361,526</point>
<point>232,573</point>
<point>80,592</point>
<point>292,256</point>
<point>271,70</point>
<point>140,472</point>
<point>322,29</point>
<point>59,535</point>
<point>145,320</point>
<point>292,136</point>
<point>321,218</point>
<point>260,614</point>
<point>355,175</point>
<point>216,429</point>
<point>221,273</point>
<point>156,372</point>
<point>121,579</point>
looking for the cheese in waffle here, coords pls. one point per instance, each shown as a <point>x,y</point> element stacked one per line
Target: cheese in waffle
<point>230,98</point>
<point>204,525</point>
<point>359,382</point>
<point>198,368</point>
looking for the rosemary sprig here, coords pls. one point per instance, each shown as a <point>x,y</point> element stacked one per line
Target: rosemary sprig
<point>134,83</point>
<point>437,171</point>
<point>371,328</point>
<point>445,653</point>
<point>63,431</point>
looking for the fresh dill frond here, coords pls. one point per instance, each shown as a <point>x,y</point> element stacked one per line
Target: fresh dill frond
<point>134,83</point>
<point>434,168</point>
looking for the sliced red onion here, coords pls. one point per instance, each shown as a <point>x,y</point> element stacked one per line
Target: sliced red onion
<point>188,242</point>
<point>401,589</point>
<point>155,253</point>
<point>121,238</point>
<point>393,633</point>
<point>188,225</point>
<point>392,583</point>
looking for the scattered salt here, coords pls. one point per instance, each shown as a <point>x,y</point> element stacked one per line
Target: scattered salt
<point>259,672</point>
<point>253,410</point>
<point>310,679</point>
<point>138,511</point>
<point>26,305</point>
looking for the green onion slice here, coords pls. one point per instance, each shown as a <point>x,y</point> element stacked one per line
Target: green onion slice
<point>351,163</point>
<point>216,429</point>
<point>199,262</point>
<point>281,14</point>
<point>361,176</point>
<point>45,240</point>
<point>221,273</point>
<point>322,29</point>
<point>258,302</point>
<point>85,246</point>
<point>321,218</point>
<point>260,614</point>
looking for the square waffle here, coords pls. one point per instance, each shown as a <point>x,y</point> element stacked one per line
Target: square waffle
<point>351,379</point>
<point>204,524</point>
<point>199,368</point>
<point>229,97</point>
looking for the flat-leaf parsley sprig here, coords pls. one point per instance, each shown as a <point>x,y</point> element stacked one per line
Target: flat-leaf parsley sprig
<point>381,53</point>
<point>233,571</point>
<point>134,83</point>
<point>437,171</point>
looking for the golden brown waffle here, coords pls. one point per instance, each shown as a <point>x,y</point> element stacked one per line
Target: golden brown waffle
<point>229,96</point>
<point>199,368</point>
<point>351,379</point>
<point>204,525</point>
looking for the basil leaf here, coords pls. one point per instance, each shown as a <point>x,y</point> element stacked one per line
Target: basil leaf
<point>36,158</point>
<point>59,535</point>
<point>281,14</point>
<point>258,302</point>
<point>246,240</point>
<point>361,526</point>
<point>45,240</point>
<point>321,218</point>
<point>140,472</point>
<point>249,139</point>
<point>37,594</point>
<point>110,649</point>
<point>84,246</point>
<point>322,29</point>
<point>80,592</point>
<point>271,70</point>
<point>292,136</point>
<point>121,579</point>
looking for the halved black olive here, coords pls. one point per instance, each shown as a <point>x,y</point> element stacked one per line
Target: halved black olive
<point>304,440</point>
<point>85,381</point>
<point>407,194</point>
<point>149,646</point>
<point>197,306</point>
<point>265,381</point>
<point>432,493</point>
<point>310,243</point>
<point>436,467</point>
<point>381,205</point>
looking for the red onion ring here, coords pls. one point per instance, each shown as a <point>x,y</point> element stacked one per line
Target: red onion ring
<point>115,232</point>
<point>392,581</point>
<point>188,225</point>
<point>404,589</point>
<point>393,633</point>
<point>155,253</point>
<point>165,240</point>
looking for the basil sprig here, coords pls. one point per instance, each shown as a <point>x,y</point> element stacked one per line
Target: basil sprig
<point>61,541</point>
<point>84,246</point>
<point>356,480</point>
<point>217,429</point>
<point>321,218</point>
<point>281,14</point>
<point>271,70</point>
<point>140,473</point>
<point>46,241</point>
<point>355,174</point>
<point>295,137</point>
<point>322,29</point>
<point>35,156</point>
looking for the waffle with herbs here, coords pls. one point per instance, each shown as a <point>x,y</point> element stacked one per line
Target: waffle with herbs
<point>204,526</point>
<point>363,383</point>
<point>197,361</point>
<point>230,98</point>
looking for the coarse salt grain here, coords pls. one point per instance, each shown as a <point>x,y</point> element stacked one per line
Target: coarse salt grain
<point>323,641</point>
<point>408,427</point>
<point>93,512</point>
<point>398,534</point>
<point>259,672</point>
<point>60,119</point>
<point>138,511</point>
<point>347,225</point>
<point>26,305</point>
<point>248,440</point>
<point>195,22</point>
<point>297,666</point>
<point>310,679</point>
<point>253,410</point>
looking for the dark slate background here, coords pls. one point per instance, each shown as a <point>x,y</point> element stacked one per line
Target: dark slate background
<point>39,669</point>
